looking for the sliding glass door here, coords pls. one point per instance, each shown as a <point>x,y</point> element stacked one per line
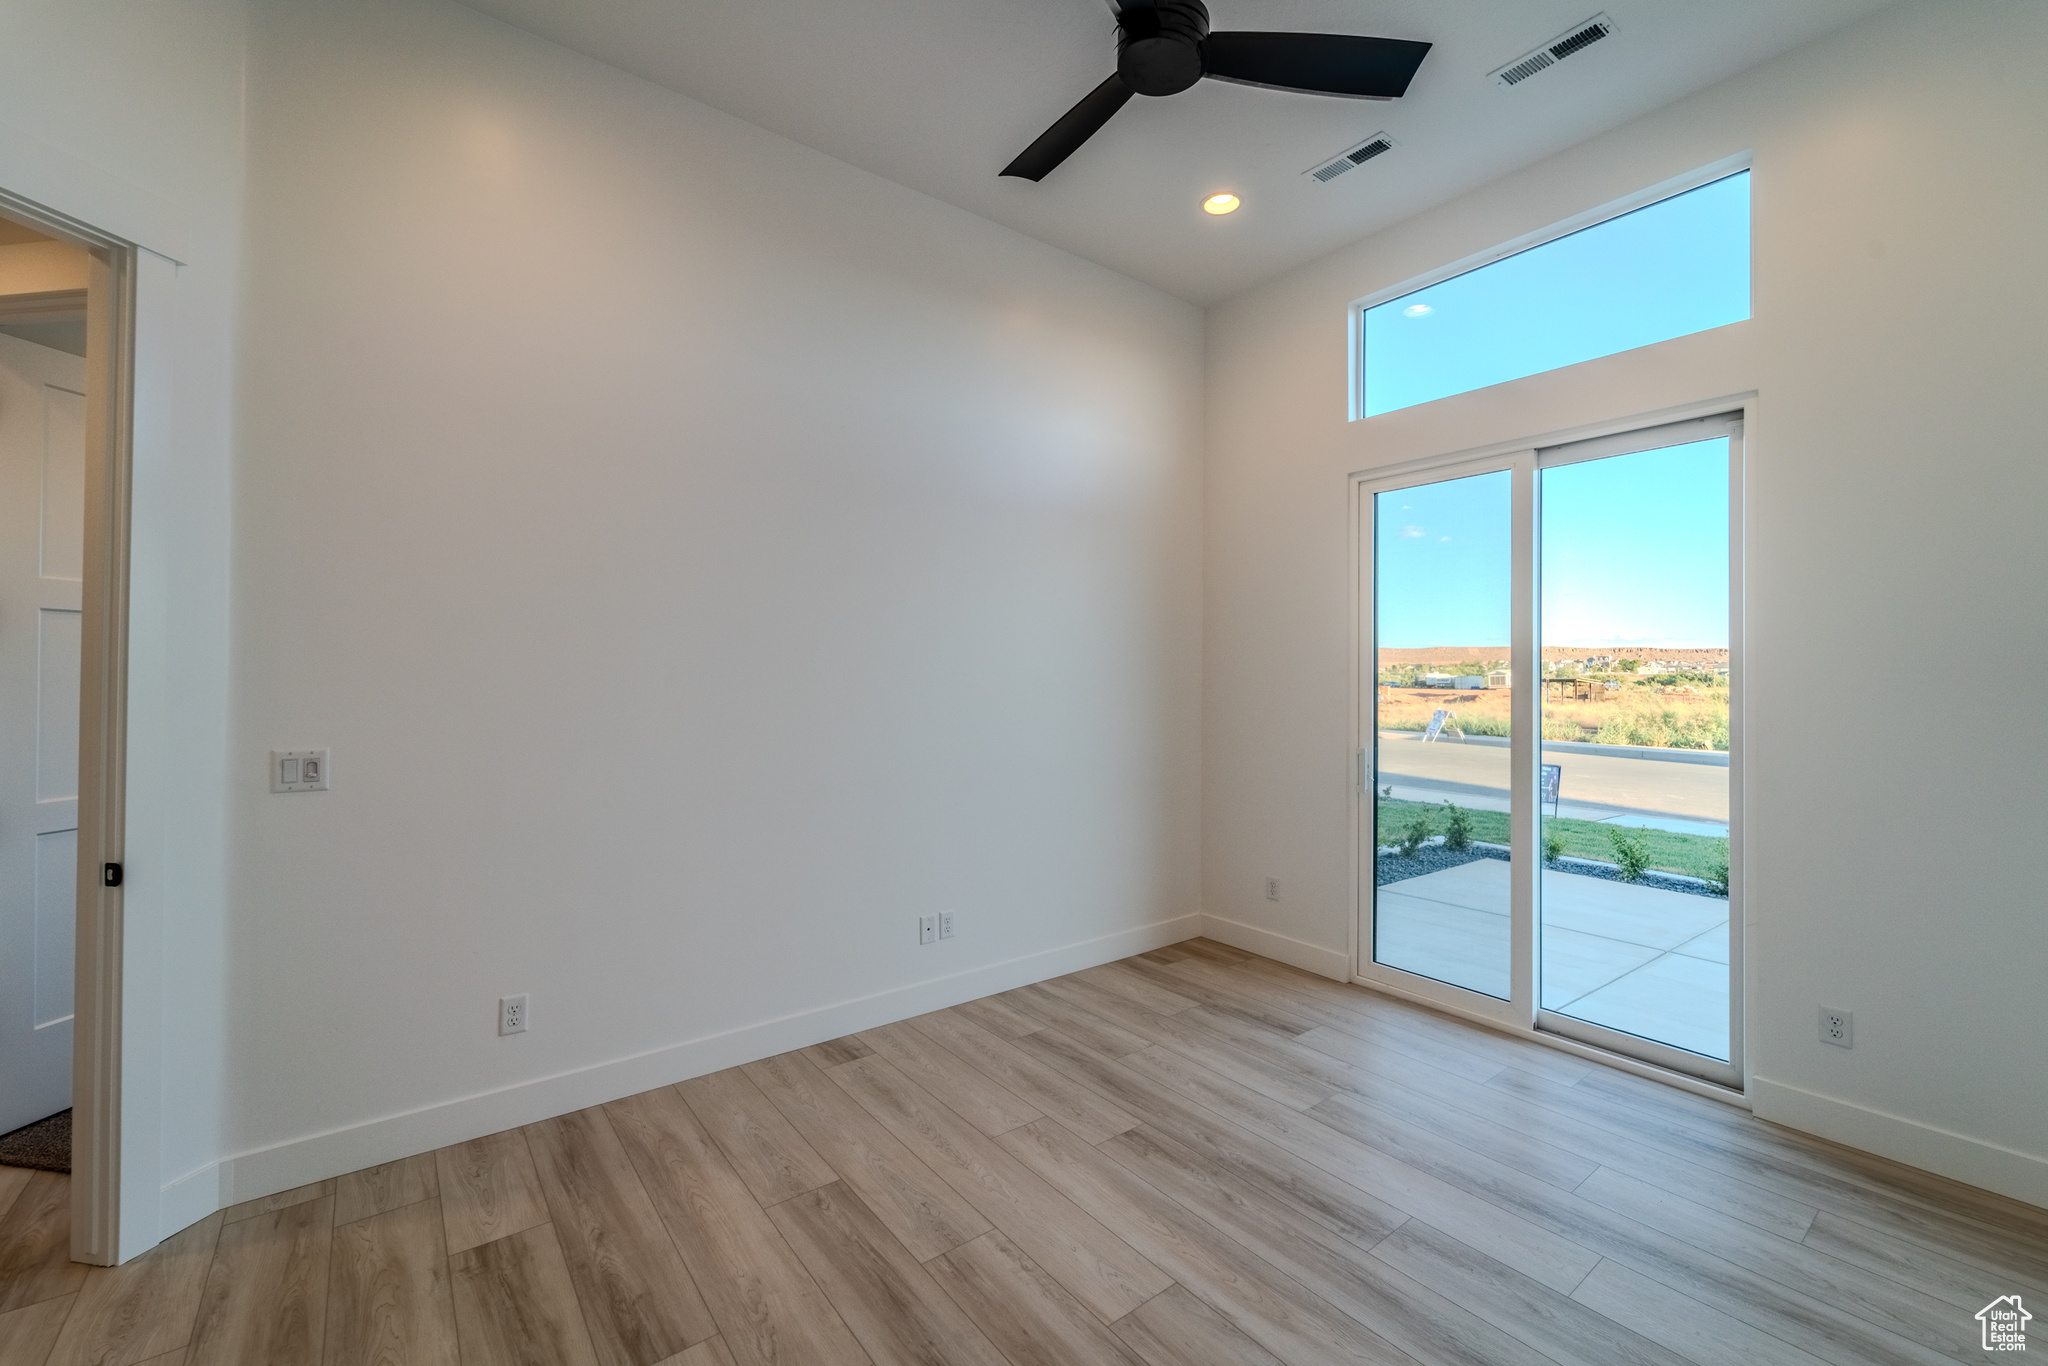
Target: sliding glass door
<point>1549,741</point>
<point>1444,593</point>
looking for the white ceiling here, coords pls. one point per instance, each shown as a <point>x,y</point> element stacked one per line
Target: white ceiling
<point>940,94</point>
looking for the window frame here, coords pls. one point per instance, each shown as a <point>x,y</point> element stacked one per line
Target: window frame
<point>1641,199</point>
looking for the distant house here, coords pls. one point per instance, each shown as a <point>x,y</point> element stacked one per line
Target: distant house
<point>1501,678</point>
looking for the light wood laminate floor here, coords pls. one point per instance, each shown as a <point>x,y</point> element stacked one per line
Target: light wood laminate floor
<point>1193,1156</point>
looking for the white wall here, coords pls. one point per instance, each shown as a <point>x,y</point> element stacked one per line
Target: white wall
<point>129,118</point>
<point>702,558</point>
<point>1895,502</point>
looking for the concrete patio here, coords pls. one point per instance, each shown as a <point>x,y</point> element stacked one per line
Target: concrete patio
<point>1638,959</point>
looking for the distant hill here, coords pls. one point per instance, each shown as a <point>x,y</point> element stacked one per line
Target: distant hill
<point>1459,654</point>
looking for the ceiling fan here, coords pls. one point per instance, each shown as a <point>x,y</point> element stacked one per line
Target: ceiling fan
<point>1165,46</point>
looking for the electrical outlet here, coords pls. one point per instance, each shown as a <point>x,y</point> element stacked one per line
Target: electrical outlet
<point>1272,889</point>
<point>512,1014</point>
<point>298,770</point>
<point>1838,1027</point>
<point>927,929</point>
<point>945,924</point>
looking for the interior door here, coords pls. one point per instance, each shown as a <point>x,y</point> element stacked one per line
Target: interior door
<point>42,523</point>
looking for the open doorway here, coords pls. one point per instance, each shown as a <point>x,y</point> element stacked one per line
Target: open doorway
<point>66,403</point>
<point>43,293</point>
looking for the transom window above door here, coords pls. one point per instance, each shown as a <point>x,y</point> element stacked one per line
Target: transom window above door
<point>1674,266</point>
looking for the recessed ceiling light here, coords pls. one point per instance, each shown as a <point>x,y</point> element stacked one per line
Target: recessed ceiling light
<point>1220,203</point>
<point>1416,310</point>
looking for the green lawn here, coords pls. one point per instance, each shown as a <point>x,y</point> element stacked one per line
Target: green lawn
<point>1702,856</point>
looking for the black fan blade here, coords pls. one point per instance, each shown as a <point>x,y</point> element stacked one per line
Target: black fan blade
<point>1318,63</point>
<point>1075,127</point>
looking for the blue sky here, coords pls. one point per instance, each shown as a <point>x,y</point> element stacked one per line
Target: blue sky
<point>1677,266</point>
<point>1443,574</point>
<point>1634,549</point>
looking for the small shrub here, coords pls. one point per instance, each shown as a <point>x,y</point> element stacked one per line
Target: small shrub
<point>1553,845</point>
<point>1416,835</point>
<point>1717,869</point>
<point>1631,852</point>
<point>1457,829</point>
<point>1388,792</point>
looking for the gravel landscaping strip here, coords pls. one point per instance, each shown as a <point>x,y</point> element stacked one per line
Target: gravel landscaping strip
<point>1430,858</point>
<point>1393,866</point>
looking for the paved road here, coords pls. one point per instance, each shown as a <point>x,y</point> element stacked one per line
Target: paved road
<point>1594,786</point>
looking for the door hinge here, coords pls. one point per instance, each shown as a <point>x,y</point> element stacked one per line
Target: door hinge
<point>110,875</point>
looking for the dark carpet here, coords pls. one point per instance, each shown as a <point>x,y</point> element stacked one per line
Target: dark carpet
<point>44,1145</point>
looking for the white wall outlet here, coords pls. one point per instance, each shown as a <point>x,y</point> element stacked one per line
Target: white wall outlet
<point>1272,889</point>
<point>1838,1027</point>
<point>512,1014</point>
<point>298,770</point>
<point>945,924</point>
<point>927,929</point>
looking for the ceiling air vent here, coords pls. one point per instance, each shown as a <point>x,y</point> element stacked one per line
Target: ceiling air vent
<point>1573,40</point>
<point>1355,156</point>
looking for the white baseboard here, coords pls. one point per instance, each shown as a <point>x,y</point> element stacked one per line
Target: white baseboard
<point>191,1198</point>
<point>2006,1171</point>
<point>1299,953</point>
<point>315,1157</point>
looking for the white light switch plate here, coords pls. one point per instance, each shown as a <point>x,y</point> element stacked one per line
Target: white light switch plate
<point>298,770</point>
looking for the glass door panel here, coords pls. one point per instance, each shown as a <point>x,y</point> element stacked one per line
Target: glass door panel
<point>1634,637</point>
<point>1442,588</point>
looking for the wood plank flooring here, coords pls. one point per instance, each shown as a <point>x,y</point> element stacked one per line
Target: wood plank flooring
<point>1194,1157</point>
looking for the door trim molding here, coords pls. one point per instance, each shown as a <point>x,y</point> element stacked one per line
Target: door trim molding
<point>96,1073</point>
<point>1397,472</point>
<point>103,758</point>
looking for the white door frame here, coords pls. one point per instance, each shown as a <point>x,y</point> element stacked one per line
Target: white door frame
<point>1521,1015</point>
<point>96,1072</point>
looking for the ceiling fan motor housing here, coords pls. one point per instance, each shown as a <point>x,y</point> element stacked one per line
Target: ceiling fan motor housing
<point>1159,46</point>
<point>1164,46</point>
